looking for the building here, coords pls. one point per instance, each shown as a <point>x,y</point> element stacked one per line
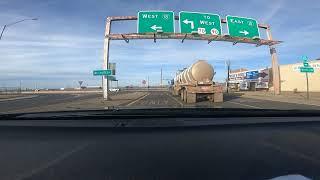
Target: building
<point>238,70</point>
<point>291,79</point>
<point>252,80</point>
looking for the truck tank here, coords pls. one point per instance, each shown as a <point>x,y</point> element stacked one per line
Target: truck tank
<point>200,72</point>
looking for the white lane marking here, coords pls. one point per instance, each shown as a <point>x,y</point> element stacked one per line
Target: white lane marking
<point>181,104</point>
<point>256,107</point>
<point>53,162</point>
<point>17,98</point>
<point>138,99</point>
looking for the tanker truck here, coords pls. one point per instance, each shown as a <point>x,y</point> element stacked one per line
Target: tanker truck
<point>196,82</point>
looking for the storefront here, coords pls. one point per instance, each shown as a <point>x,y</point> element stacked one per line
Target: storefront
<point>249,80</point>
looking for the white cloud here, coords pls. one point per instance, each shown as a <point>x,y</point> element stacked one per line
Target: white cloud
<point>275,7</point>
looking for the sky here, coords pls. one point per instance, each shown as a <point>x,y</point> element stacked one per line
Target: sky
<point>66,44</point>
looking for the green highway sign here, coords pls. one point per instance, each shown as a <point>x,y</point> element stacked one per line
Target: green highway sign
<point>155,21</point>
<point>242,27</point>
<point>305,64</point>
<point>307,69</point>
<point>106,72</point>
<point>201,23</point>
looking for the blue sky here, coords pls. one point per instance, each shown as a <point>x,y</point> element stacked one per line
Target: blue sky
<point>66,43</point>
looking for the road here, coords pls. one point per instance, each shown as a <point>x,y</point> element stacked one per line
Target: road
<point>151,99</point>
<point>41,100</point>
<point>243,152</point>
<point>165,99</point>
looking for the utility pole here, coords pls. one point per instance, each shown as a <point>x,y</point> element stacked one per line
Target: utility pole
<point>228,74</point>
<point>148,81</point>
<point>161,78</point>
<point>20,86</point>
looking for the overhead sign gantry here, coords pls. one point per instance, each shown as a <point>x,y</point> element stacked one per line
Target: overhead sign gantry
<point>193,26</point>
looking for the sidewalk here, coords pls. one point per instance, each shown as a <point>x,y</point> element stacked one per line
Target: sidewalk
<point>289,97</point>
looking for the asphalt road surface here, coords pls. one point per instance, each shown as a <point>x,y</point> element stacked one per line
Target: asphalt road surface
<point>164,99</point>
<point>241,152</point>
<point>41,100</point>
<point>152,99</point>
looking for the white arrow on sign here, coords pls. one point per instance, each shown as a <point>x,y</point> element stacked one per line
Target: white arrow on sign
<point>155,27</point>
<point>186,21</point>
<point>244,32</point>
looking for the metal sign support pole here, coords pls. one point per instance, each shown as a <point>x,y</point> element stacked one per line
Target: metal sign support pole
<point>102,82</point>
<point>307,77</point>
<point>275,65</point>
<point>106,59</point>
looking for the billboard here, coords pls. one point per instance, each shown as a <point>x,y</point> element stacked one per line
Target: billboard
<point>252,75</point>
<point>261,75</point>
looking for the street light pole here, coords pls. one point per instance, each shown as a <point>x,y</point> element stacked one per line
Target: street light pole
<point>7,25</point>
<point>4,27</point>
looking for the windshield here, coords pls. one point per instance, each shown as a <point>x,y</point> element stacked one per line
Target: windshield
<point>81,55</point>
<point>159,89</point>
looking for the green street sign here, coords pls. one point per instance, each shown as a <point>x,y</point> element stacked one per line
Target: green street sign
<point>242,27</point>
<point>106,72</point>
<point>201,23</point>
<point>155,21</point>
<point>112,78</point>
<point>305,58</point>
<point>305,64</point>
<point>306,69</point>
